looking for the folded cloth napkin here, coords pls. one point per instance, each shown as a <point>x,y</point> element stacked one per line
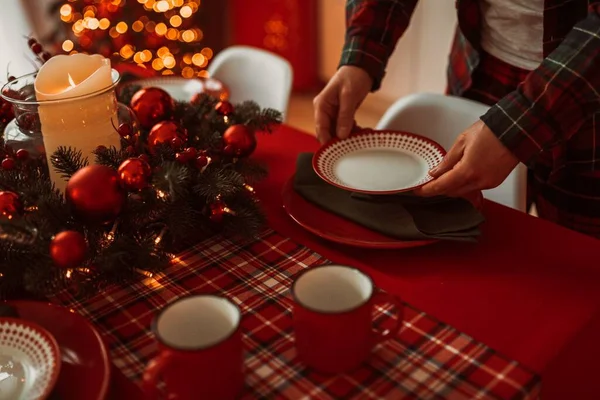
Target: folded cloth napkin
<point>402,216</point>
<point>9,311</point>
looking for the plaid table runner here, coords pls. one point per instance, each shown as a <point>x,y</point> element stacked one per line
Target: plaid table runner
<point>429,360</point>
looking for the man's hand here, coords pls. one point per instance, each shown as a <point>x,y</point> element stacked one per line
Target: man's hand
<point>336,105</point>
<point>476,161</point>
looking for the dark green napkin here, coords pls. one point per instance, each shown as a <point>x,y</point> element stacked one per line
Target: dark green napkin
<point>402,216</point>
<point>11,312</point>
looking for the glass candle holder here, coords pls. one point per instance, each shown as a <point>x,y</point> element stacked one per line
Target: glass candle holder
<point>81,122</point>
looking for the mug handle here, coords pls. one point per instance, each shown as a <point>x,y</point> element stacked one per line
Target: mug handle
<point>381,297</point>
<point>153,372</point>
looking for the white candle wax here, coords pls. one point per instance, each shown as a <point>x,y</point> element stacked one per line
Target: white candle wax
<point>76,110</point>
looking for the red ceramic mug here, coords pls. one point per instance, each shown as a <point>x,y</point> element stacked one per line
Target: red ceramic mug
<point>200,350</point>
<point>333,317</point>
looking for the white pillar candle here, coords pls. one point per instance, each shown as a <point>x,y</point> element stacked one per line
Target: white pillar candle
<point>76,109</point>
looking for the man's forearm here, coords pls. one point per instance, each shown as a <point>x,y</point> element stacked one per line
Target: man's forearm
<point>373,28</point>
<point>556,98</point>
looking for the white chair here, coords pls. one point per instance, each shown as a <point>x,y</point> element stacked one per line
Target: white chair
<point>254,74</point>
<point>442,118</point>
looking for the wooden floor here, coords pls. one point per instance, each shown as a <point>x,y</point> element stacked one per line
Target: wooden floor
<point>301,114</point>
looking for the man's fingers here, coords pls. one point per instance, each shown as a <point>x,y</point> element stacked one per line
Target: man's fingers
<point>323,122</point>
<point>345,118</point>
<point>450,182</point>
<point>450,160</point>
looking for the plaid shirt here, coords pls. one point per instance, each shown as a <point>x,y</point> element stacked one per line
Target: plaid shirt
<point>547,120</point>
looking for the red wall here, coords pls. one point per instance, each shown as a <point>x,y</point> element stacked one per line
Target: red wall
<point>285,27</point>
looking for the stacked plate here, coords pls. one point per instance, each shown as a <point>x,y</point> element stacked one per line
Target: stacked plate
<point>375,164</point>
<point>47,350</point>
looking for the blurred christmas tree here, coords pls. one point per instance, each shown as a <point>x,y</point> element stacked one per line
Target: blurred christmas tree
<point>161,35</point>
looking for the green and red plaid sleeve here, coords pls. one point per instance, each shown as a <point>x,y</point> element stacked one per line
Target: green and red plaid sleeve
<point>556,98</point>
<point>373,28</point>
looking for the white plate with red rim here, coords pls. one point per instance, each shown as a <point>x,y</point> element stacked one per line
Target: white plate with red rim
<point>378,161</point>
<point>29,360</point>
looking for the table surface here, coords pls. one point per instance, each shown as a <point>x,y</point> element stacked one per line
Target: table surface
<point>528,289</point>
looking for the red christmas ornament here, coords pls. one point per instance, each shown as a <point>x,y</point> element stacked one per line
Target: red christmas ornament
<point>217,210</point>
<point>224,108</point>
<point>8,163</point>
<point>176,143</point>
<point>22,154</point>
<point>239,141</point>
<point>10,204</point>
<point>164,133</point>
<point>202,161</point>
<point>68,249</point>
<point>6,111</point>
<point>181,158</point>
<point>191,153</point>
<point>144,157</point>
<point>36,48</point>
<point>95,194</point>
<point>125,130</point>
<point>134,174</point>
<point>152,105</point>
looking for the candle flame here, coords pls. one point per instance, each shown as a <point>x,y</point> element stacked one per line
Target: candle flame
<point>71,81</point>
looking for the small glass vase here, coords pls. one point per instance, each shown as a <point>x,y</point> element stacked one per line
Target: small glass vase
<point>80,122</point>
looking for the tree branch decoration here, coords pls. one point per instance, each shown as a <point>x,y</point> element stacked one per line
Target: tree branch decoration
<point>127,212</point>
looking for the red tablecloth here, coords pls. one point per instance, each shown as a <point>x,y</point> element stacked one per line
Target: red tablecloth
<point>529,289</point>
<point>428,359</point>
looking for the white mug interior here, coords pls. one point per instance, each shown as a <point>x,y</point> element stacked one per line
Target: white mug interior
<point>197,322</point>
<point>333,289</point>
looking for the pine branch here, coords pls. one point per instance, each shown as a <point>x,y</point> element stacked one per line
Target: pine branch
<point>110,156</point>
<point>248,220</point>
<point>173,178</point>
<point>125,94</point>
<point>218,182</point>
<point>67,161</point>
<point>251,170</point>
<point>265,121</point>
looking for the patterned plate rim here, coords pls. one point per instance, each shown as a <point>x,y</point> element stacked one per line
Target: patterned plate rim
<point>53,345</point>
<point>366,132</point>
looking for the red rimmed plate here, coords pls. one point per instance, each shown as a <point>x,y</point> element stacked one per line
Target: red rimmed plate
<point>85,367</point>
<point>378,162</point>
<point>337,229</point>
<point>30,360</point>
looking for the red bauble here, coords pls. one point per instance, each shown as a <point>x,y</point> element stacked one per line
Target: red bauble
<point>191,153</point>
<point>68,249</point>
<point>152,105</point>
<point>239,141</point>
<point>182,158</point>
<point>22,154</point>
<point>10,204</point>
<point>202,161</point>
<point>6,111</point>
<point>95,194</point>
<point>176,143</point>
<point>8,163</point>
<point>134,174</point>
<point>224,108</point>
<point>164,133</point>
<point>125,130</point>
<point>217,210</point>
